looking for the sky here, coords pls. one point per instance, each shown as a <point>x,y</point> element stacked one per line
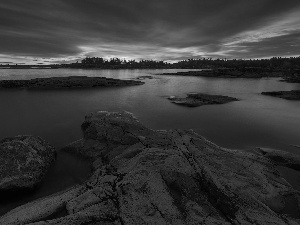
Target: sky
<point>63,31</point>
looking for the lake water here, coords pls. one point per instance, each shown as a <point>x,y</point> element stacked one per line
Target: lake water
<point>56,115</point>
<point>255,120</point>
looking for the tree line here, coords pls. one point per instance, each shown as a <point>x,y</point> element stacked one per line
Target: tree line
<point>275,63</point>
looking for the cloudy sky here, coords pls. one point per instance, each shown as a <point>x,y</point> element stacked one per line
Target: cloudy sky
<point>48,31</point>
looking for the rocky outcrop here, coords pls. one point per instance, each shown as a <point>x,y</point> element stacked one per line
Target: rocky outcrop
<point>143,176</point>
<point>144,77</point>
<point>67,82</point>
<point>199,99</point>
<point>289,95</point>
<point>24,160</point>
<point>281,158</point>
<point>291,79</point>
<point>292,76</point>
<point>228,73</point>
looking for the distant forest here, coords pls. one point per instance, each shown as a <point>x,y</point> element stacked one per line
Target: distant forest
<point>275,63</point>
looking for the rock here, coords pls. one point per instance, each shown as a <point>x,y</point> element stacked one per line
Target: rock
<point>144,77</point>
<point>199,99</point>
<point>292,77</point>
<point>24,160</point>
<point>249,72</point>
<point>67,82</point>
<point>282,158</point>
<point>163,177</point>
<point>41,208</point>
<point>289,95</point>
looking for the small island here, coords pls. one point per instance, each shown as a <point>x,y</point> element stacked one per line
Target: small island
<point>67,83</point>
<point>199,99</point>
<point>289,95</point>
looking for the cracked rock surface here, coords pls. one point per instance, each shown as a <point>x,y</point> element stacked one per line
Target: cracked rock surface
<point>24,160</point>
<point>142,176</point>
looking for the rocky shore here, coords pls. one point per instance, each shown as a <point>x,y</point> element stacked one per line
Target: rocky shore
<point>281,158</point>
<point>289,95</point>
<point>228,73</point>
<point>295,79</point>
<point>67,82</point>
<point>24,161</point>
<point>144,176</point>
<point>292,76</point>
<point>199,99</point>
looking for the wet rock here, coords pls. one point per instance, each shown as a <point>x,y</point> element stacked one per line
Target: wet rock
<point>289,95</point>
<point>41,208</point>
<point>67,82</point>
<point>163,177</point>
<point>24,160</point>
<point>282,158</point>
<point>292,77</point>
<point>250,72</point>
<point>199,99</point>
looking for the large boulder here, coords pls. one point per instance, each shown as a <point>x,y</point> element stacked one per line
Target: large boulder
<point>24,160</point>
<point>143,176</point>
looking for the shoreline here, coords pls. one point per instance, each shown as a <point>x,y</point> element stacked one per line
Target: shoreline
<point>65,172</point>
<point>70,82</point>
<point>132,160</point>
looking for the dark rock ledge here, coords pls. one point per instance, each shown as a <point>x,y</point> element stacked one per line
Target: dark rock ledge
<point>291,79</point>
<point>227,73</point>
<point>24,161</point>
<point>143,176</point>
<point>289,95</point>
<point>67,82</point>
<point>199,99</point>
<point>144,77</point>
<point>281,158</point>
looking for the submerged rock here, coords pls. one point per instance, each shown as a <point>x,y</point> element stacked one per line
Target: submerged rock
<point>67,82</point>
<point>289,95</point>
<point>199,99</point>
<point>143,176</point>
<point>24,160</point>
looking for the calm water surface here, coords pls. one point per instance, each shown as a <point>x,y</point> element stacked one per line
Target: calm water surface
<point>255,120</point>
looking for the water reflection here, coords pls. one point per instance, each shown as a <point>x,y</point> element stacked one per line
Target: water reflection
<point>256,120</point>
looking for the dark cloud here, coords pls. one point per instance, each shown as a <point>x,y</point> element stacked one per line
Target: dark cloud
<point>168,29</point>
